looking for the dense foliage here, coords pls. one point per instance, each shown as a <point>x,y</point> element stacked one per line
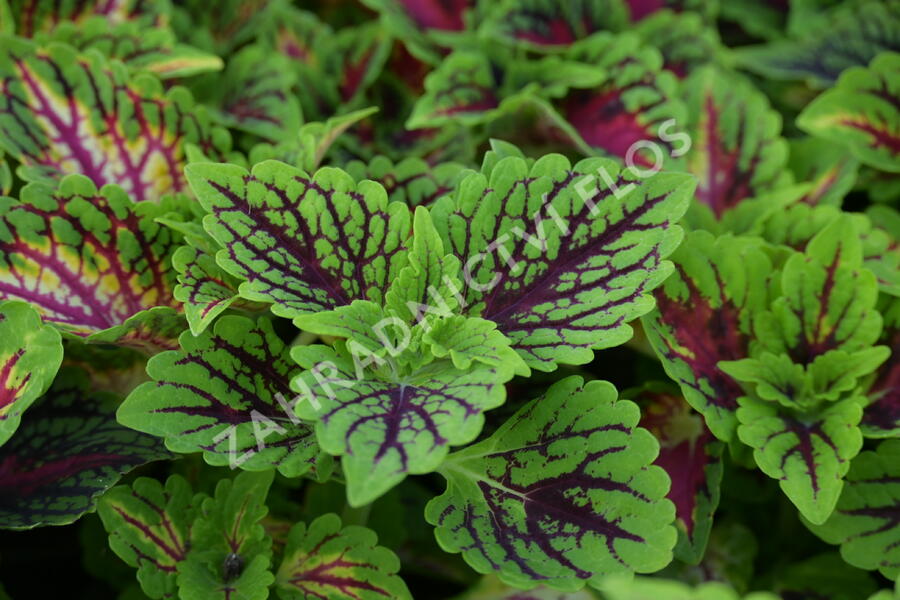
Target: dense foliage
<point>472,299</point>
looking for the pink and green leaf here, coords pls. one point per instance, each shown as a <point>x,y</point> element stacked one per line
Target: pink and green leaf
<point>30,17</point>
<point>89,260</point>
<point>736,150</point>
<point>862,113</point>
<point>64,112</point>
<point>704,314</point>
<point>324,560</point>
<point>68,450</point>
<point>30,355</point>
<point>562,257</point>
<point>149,528</point>
<point>866,522</point>
<point>550,498</point>
<point>637,102</point>
<point>226,393</point>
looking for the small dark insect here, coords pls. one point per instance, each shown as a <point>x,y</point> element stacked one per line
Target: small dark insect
<point>232,566</point>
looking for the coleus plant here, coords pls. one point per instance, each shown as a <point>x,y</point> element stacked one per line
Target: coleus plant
<point>406,298</point>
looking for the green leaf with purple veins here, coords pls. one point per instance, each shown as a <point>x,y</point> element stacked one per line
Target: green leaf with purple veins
<point>411,181</point>
<point>386,418</point>
<point>27,18</point>
<point>68,450</point>
<point>204,288</point>
<point>849,36</point>
<point>64,112</point>
<point>866,522</point>
<point>826,300</point>
<point>304,243</point>
<point>30,355</point>
<point>149,527</point>
<point>547,26</point>
<point>692,457</point>
<point>253,94</point>
<point>736,146</point>
<point>807,452</point>
<point>560,259</point>
<point>325,560</point>
<point>552,497</point>
<point>91,261</point>
<point>140,48</point>
<point>861,112</point>
<point>226,393</point>
<point>230,549</point>
<point>704,314</point>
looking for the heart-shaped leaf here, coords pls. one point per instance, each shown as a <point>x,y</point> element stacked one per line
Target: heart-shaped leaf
<point>559,261</point>
<point>327,561</point>
<point>226,393</point>
<point>30,355</point>
<point>66,112</point>
<point>551,497</point>
<point>68,450</point>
